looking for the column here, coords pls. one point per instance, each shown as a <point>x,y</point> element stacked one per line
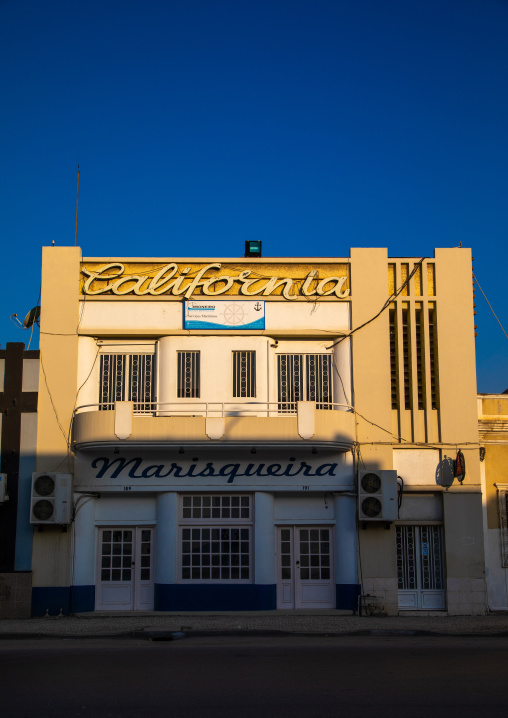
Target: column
<point>166,538</point>
<point>265,568</point>
<point>83,559</point>
<point>346,576</point>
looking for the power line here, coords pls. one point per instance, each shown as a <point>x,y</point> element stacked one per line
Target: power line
<point>490,305</point>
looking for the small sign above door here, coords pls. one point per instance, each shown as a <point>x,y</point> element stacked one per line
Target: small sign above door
<point>224,314</point>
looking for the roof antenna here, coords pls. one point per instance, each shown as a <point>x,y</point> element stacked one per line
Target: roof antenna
<point>77,200</point>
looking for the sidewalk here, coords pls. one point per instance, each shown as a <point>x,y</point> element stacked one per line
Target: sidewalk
<point>162,625</point>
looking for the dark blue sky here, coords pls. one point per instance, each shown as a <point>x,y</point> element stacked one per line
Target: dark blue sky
<point>313,125</point>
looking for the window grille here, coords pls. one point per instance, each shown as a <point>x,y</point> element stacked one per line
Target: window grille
<point>503,515</point>
<point>304,377</point>
<point>127,377</point>
<point>216,538</point>
<point>419,558</point>
<point>189,375</point>
<point>244,374</point>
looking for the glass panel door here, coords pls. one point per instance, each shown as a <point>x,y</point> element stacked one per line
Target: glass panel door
<point>125,569</point>
<point>305,561</point>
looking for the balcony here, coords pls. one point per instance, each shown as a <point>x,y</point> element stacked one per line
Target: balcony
<point>214,424</point>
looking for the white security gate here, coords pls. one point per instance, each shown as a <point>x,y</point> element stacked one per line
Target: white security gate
<point>125,569</point>
<point>305,567</point>
<point>420,567</point>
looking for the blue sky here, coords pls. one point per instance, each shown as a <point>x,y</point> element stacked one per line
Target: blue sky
<point>313,125</point>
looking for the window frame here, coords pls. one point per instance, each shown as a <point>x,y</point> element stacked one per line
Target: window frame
<point>214,523</point>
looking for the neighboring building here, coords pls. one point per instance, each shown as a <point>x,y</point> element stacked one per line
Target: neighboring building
<point>213,418</point>
<point>493,426</point>
<point>19,381</point>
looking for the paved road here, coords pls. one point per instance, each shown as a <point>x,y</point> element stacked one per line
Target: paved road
<point>289,677</point>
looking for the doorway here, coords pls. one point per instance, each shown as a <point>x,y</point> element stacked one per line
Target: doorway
<point>125,569</point>
<point>305,567</point>
<point>420,571</point>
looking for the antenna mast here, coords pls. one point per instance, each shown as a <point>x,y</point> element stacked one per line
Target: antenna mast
<point>77,200</point>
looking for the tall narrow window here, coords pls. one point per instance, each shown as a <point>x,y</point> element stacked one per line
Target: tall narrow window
<point>434,380</point>
<point>393,358</point>
<point>406,354</point>
<point>127,377</point>
<point>244,374</point>
<point>304,377</point>
<point>188,375</point>
<point>420,355</point>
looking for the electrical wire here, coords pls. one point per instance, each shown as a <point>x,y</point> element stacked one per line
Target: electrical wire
<point>490,305</point>
<point>385,306</point>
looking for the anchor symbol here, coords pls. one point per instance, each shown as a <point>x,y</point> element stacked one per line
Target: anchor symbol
<point>258,307</point>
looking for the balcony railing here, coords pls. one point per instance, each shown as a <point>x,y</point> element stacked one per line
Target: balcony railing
<point>223,423</point>
<point>214,408</point>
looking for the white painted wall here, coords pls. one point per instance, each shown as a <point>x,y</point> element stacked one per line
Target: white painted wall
<point>148,318</point>
<point>125,509</point>
<point>418,467</point>
<point>304,508</point>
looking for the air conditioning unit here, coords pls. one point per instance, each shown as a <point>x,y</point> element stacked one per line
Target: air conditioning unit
<point>51,498</point>
<point>4,496</point>
<point>377,495</point>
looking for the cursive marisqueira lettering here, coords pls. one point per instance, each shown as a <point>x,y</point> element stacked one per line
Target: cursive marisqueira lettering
<point>131,468</point>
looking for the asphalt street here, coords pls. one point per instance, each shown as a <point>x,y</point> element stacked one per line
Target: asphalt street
<point>254,676</point>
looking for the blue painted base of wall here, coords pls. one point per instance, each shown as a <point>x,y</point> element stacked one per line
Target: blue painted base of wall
<point>53,598</point>
<point>176,597</point>
<point>346,596</point>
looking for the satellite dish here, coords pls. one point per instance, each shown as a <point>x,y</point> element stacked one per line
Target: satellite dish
<point>32,317</point>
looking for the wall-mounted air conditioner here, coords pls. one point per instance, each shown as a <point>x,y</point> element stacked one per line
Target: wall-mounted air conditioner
<point>51,498</point>
<point>377,495</point>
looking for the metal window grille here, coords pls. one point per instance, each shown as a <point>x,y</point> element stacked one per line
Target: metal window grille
<point>189,375</point>
<point>304,377</point>
<point>127,377</point>
<point>419,558</point>
<point>244,374</point>
<point>503,514</point>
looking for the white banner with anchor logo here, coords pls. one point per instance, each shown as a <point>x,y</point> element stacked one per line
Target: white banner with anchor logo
<point>233,314</point>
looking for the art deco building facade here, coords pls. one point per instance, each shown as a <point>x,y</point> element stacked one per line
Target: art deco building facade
<point>220,434</point>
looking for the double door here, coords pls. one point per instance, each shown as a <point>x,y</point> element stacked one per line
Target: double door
<point>420,567</point>
<point>125,569</point>
<point>305,567</point>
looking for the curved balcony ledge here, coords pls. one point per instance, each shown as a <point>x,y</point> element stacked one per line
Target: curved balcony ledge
<point>213,427</point>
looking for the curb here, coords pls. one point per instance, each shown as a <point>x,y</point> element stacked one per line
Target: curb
<point>154,635</point>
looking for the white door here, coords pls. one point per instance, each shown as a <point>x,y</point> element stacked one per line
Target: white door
<point>305,567</point>
<point>420,568</point>
<point>125,569</point>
